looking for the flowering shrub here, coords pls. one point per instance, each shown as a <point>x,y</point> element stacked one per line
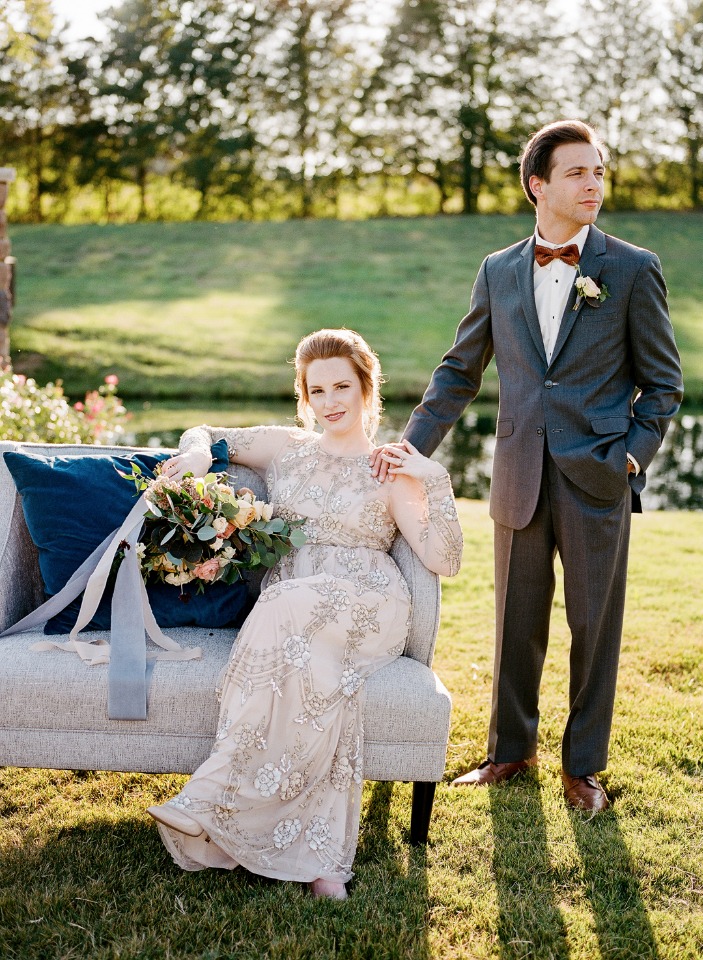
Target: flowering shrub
<point>44,415</point>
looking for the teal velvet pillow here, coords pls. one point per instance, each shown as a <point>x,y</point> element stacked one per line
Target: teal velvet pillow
<point>72,503</point>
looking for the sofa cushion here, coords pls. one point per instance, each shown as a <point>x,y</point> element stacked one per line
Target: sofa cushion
<point>71,503</point>
<point>53,713</point>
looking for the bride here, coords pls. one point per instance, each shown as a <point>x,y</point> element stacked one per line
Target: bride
<point>280,793</point>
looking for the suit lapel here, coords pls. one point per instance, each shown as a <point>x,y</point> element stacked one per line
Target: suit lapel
<point>591,264</point>
<point>524,271</point>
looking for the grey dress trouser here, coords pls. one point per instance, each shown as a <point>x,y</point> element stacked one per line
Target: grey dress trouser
<point>592,538</point>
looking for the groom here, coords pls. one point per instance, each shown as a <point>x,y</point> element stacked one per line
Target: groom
<point>589,380</point>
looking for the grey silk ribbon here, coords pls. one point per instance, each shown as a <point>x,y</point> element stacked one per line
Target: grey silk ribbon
<point>129,670</point>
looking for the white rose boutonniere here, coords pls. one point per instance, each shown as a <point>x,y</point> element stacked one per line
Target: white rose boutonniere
<point>588,290</point>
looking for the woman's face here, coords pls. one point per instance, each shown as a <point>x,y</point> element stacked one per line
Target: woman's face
<point>335,395</point>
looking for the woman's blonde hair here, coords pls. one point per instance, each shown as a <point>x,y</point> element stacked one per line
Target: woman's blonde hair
<point>328,345</point>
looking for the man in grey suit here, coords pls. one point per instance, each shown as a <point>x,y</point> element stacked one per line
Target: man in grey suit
<point>589,380</point>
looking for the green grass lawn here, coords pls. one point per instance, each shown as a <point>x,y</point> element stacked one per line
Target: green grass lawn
<point>207,311</point>
<point>509,873</point>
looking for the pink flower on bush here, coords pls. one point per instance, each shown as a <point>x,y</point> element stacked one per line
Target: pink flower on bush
<point>80,407</point>
<point>112,379</point>
<point>207,570</point>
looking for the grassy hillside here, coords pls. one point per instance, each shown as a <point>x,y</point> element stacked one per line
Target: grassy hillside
<point>201,311</point>
<point>509,873</point>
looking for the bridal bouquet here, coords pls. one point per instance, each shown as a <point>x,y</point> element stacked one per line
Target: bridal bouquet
<point>200,529</point>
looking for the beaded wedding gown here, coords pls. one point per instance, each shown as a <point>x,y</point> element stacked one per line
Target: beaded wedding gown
<point>281,792</point>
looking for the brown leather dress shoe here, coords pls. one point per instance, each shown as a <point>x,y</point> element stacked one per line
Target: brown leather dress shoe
<point>488,773</point>
<point>584,793</point>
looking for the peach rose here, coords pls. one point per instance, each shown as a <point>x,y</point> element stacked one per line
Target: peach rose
<point>207,570</point>
<point>245,515</point>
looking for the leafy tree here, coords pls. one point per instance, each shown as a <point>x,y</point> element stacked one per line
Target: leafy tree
<point>613,82</point>
<point>213,62</point>
<point>459,84</point>
<point>34,98</point>
<point>308,83</point>
<point>683,82</point>
<point>131,89</point>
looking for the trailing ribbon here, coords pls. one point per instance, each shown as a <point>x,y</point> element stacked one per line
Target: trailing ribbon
<point>129,669</point>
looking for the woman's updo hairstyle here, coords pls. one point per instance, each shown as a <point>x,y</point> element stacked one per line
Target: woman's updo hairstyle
<point>328,345</point>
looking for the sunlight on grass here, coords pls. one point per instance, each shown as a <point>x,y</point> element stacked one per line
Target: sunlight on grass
<point>509,873</point>
<point>147,300</point>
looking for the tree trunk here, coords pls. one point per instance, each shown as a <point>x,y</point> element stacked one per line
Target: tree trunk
<point>468,176</point>
<point>37,182</point>
<point>694,167</point>
<point>141,182</point>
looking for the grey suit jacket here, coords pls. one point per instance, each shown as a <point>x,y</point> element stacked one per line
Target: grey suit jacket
<point>612,385</point>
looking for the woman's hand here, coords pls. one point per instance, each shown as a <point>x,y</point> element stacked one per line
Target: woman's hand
<point>404,460</point>
<point>196,462</point>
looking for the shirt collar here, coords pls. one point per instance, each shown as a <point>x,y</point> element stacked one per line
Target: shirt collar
<point>579,239</point>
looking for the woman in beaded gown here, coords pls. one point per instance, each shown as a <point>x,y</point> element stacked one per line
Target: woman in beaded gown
<point>280,793</point>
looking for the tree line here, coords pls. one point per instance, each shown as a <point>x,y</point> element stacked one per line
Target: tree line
<point>296,108</point>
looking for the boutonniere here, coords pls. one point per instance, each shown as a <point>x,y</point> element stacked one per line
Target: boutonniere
<point>588,290</point>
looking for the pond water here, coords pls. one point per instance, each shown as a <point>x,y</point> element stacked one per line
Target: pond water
<point>674,482</point>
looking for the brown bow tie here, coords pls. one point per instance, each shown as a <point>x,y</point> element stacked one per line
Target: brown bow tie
<point>545,255</point>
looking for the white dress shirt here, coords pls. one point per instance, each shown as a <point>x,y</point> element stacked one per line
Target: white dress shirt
<point>553,284</point>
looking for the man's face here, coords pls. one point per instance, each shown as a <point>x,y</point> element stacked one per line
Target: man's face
<point>573,195</point>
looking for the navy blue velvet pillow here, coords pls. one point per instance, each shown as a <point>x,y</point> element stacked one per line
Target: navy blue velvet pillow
<point>72,503</point>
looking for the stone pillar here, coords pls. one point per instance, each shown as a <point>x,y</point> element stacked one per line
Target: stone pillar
<point>7,265</point>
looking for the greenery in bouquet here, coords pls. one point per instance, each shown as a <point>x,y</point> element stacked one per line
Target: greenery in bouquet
<point>200,529</point>
<point>44,414</point>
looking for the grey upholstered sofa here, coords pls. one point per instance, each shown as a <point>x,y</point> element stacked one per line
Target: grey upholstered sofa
<point>53,706</point>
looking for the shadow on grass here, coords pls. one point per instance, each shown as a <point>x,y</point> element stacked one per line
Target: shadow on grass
<point>530,923</point>
<point>612,887</point>
<point>528,882</point>
<point>105,888</point>
<point>398,873</point>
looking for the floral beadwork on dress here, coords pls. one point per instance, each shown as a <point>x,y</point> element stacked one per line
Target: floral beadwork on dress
<point>281,792</point>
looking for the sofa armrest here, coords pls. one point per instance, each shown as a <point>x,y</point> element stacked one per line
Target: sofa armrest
<point>21,589</point>
<point>424,588</point>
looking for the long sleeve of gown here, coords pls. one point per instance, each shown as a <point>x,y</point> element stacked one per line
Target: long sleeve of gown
<point>426,516</point>
<point>252,446</point>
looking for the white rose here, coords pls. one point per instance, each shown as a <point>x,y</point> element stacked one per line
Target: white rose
<point>220,524</point>
<point>588,287</point>
<point>178,578</point>
<point>217,543</point>
<point>267,512</point>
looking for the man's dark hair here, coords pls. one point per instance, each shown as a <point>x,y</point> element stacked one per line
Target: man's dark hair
<point>538,158</point>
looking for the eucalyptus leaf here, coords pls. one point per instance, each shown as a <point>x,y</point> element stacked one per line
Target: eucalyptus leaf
<point>207,532</point>
<point>193,552</point>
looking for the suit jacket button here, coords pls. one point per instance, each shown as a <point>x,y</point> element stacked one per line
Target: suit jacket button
<point>549,384</point>
<point>540,432</point>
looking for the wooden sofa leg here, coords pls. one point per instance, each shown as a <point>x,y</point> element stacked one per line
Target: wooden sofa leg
<point>423,798</point>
